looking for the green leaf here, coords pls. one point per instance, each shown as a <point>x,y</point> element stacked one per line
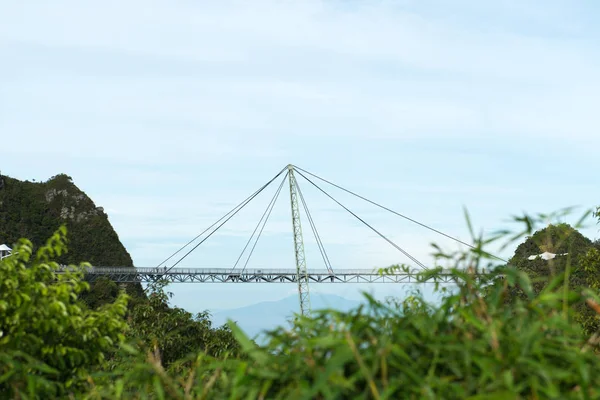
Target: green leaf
<point>246,344</point>
<point>502,395</point>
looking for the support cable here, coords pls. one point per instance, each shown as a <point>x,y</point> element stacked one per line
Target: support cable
<point>315,232</point>
<point>398,214</point>
<point>420,264</point>
<point>242,204</point>
<point>273,200</point>
<point>264,224</point>
<point>235,210</point>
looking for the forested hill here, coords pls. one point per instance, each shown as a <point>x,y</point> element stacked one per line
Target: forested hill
<point>34,210</point>
<point>557,239</point>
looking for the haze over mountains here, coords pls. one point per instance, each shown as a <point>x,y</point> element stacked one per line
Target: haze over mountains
<point>267,315</point>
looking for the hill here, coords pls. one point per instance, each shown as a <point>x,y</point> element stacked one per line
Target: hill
<point>562,240</point>
<point>561,246</point>
<point>35,210</point>
<point>557,239</point>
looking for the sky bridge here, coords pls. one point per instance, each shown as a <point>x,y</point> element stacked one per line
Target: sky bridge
<point>227,275</point>
<point>170,270</point>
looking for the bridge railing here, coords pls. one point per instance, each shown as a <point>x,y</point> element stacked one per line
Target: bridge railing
<point>228,271</point>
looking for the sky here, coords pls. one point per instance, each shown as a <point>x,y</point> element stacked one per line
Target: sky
<point>170,113</point>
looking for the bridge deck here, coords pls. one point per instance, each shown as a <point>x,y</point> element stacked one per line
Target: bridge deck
<point>226,275</point>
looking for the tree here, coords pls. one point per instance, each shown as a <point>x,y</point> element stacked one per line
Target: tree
<point>36,210</point>
<point>577,257</point>
<point>49,340</point>
<point>103,291</point>
<point>472,345</point>
<point>177,333</point>
<point>567,243</point>
<point>589,269</point>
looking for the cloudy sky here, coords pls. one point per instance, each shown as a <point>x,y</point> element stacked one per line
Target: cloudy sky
<point>169,113</point>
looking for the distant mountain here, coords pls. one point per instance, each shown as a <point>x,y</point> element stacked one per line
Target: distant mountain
<point>255,318</point>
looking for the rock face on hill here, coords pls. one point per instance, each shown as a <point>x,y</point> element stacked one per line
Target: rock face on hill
<point>34,210</point>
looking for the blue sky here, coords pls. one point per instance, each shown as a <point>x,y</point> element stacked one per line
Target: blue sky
<point>168,113</point>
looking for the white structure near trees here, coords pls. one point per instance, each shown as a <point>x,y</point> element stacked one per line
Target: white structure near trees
<point>5,251</point>
<point>546,256</point>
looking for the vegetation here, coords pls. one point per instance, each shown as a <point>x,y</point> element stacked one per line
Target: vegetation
<point>175,332</point>
<point>49,342</point>
<point>52,343</point>
<point>36,210</point>
<point>473,345</point>
<point>572,250</point>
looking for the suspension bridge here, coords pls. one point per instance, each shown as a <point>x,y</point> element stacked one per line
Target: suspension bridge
<point>170,271</point>
<point>225,275</point>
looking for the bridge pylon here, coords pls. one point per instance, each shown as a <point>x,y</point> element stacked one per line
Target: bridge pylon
<point>302,273</point>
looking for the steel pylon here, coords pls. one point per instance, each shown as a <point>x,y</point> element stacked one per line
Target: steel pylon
<point>303,292</point>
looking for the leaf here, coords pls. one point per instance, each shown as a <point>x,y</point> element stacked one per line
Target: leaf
<point>586,214</point>
<point>247,345</point>
<point>119,387</point>
<point>469,225</point>
<point>158,388</point>
<point>502,395</point>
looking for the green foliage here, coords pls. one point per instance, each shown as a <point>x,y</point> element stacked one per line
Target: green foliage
<point>174,332</point>
<point>580,259</point>
<point>558,239</point>
<point>469,347</point>
<point>473,345</point>
<point>49,340</point>
<point>102,292</point>
<point>37,210</point>
<point>588,272</point>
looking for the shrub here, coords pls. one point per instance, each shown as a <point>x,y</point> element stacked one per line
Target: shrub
<point>49,340</point>
<point>474,345</point>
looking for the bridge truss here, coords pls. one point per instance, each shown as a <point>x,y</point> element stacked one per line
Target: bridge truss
<point>226,275</point>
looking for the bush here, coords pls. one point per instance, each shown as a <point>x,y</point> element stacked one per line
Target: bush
<point>49,340</point>
<point>473,345</point>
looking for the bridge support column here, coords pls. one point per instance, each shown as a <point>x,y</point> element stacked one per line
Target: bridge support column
<point>302,274</point>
